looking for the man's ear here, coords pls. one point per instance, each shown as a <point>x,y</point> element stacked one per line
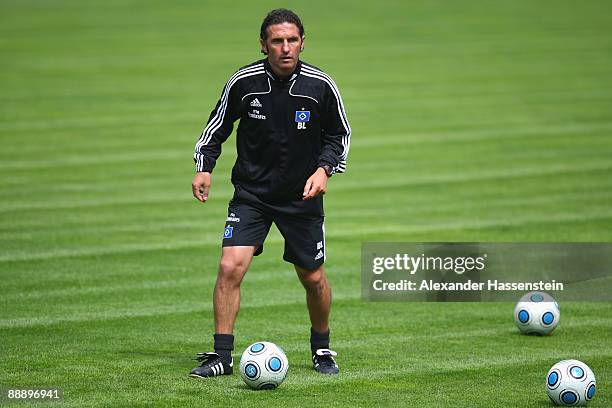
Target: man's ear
<point>264,49</point>
<point>302,47</point>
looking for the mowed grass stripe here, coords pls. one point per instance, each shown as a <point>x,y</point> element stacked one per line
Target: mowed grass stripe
<point>115,153</point>
<point>577,188</point>
<point>486,364</point>
<point>122,149</point>
<point>453,98</point>
<point>464,140</point>
<point>463,115</point>
<point>394,181</point>
<point>393,317</point>
<point>482,134</point>
<point>402,230</point>
<point>491,49</point>
<point>62,285</point>
<point>418,333</point>
<point>465,169</point>
<point>16,236</point>
<point>467,336</point>
<point>68,313</point>
<point>597,206</point>
<point>446,90</point>
<point>424,131</point>
<point>112,219</point>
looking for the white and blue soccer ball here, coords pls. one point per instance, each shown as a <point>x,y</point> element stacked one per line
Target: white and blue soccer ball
<point>570,383</point>
<point>263,366</point>
<point>537,313</point>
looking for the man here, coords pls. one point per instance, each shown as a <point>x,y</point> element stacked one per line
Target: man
<point>293,135</point>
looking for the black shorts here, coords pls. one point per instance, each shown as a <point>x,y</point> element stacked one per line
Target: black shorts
<point>249,219</point>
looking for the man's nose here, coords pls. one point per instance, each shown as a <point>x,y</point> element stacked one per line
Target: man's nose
<point>285,47</point>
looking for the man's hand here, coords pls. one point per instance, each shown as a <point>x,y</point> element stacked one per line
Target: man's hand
<point>200,185</point>
<point>316,184</point>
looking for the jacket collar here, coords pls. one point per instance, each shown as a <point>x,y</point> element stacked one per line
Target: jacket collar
<point>275,77</point>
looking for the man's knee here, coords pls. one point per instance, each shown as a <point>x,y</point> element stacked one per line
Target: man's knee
<point>312,279</point>
<point>231,269</point>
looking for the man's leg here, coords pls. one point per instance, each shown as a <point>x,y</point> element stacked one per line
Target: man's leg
<point>318,296</point>
<point>305,246</point>
<point>318,301</point>
<point>235,261</point>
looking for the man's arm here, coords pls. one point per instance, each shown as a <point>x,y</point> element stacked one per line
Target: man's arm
<point>335,142</point>
<point>208,148</point>
<point>336,135</point>
<point>217,130</point>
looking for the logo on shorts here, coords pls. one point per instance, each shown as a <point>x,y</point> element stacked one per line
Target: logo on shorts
<point>228,232</point>
<point>232,217</point>
<point>319,256</point>
<point>320,245</point>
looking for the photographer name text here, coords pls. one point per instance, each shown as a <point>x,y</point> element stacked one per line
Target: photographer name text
<point>425,285</point>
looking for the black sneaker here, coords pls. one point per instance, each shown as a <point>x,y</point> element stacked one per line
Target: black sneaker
<point>323,362</point>
<point>211,365</point>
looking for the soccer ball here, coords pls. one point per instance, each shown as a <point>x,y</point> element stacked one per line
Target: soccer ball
<point>263,366</point>
<point>537,313</point>
<point>570,383</point>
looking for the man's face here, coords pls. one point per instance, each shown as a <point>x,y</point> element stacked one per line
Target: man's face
<point>283,47</point>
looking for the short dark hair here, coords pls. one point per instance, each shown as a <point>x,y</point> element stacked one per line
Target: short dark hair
<point>279,16</point>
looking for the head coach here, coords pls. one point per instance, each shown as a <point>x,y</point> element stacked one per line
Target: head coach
<point>293,135</point>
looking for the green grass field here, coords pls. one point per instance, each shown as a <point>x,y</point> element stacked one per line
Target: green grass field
<point>472,121</point>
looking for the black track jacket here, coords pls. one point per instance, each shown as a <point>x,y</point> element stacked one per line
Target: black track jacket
<point>287,129</point>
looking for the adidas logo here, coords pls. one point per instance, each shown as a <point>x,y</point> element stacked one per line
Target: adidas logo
<point>319,255</point>
<point>255,103</point>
